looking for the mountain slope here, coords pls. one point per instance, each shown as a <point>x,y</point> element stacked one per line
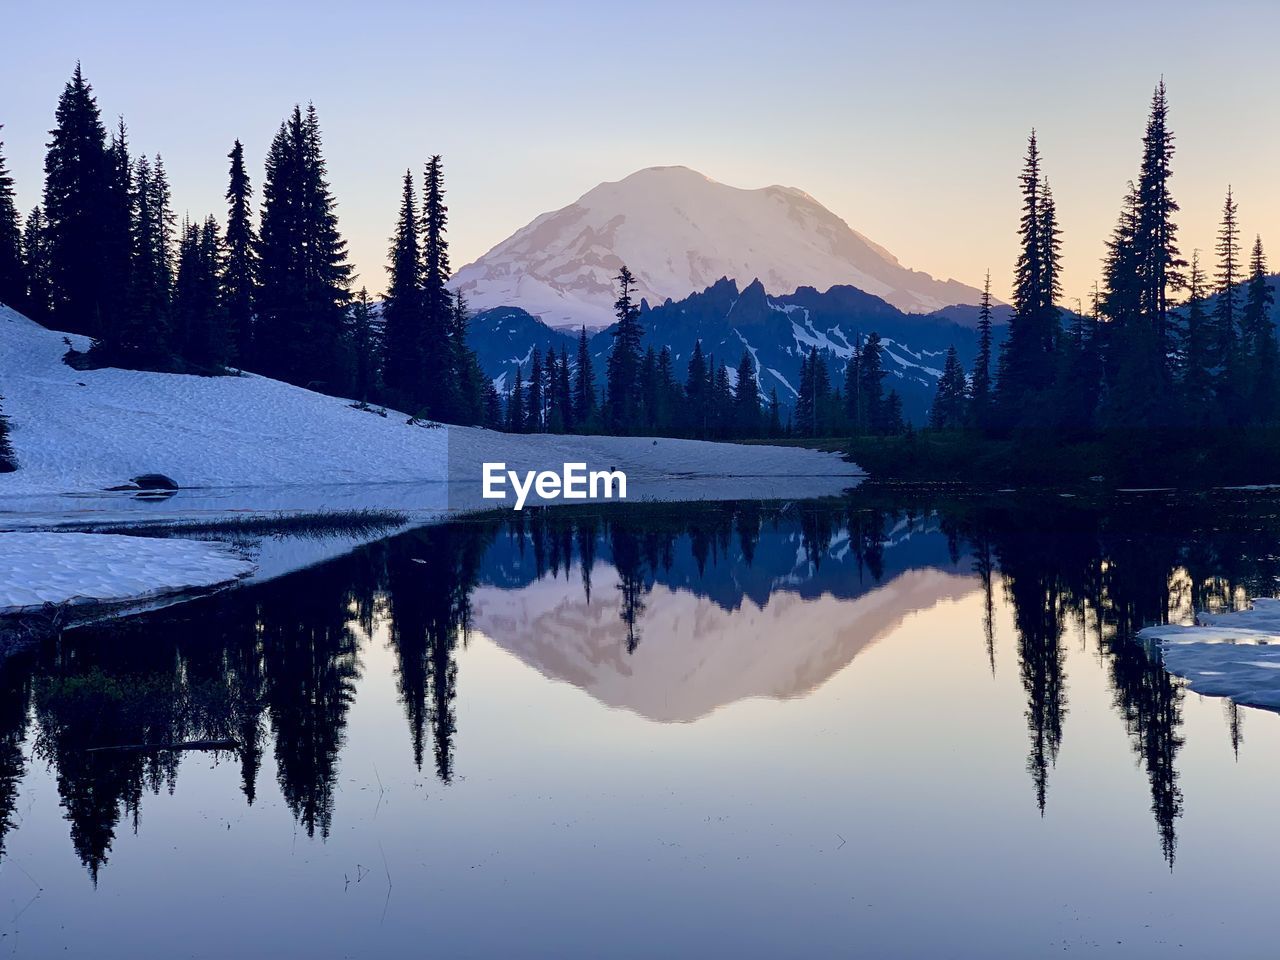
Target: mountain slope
<point>88,430</point>
<point>679,232</point>
<point>775,330</point>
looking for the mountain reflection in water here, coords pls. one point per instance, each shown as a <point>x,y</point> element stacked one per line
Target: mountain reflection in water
<point>670,613</point>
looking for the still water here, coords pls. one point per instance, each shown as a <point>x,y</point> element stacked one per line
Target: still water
<point>902,724</point>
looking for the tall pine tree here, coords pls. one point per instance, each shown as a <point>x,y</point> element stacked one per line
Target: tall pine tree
<point>1196,350</point>
<point>13,274</point>
<point>1226,359</point>
<point>38,304</point>
<point>1028,362</point>
<point>240,275</point>
<point>949,403</point>
<point>1160,264</point>
<point>366,346</point>
<point>302,262</point>
<point>403,337</point>
<point>980,381</point>
<point>747,398</point>
<point>75,192</point>
<point>622,385</point>
<point>199,318</point>
<point>443,397</point>
<point>584,386</point>
<point>142,338</point>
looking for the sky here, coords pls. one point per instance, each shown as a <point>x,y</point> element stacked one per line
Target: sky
<point>906,119</point>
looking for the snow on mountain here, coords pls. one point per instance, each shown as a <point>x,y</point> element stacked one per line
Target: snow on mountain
<point>777,332</point>
<point>679,232</point>
<point>79,431</point>
<point>695,656</point>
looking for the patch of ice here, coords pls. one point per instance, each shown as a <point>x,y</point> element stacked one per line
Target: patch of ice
<point>40,568</point>
<point>1233,655</point>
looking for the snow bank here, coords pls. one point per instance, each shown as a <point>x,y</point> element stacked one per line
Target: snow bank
<point>1234,655</point>
<point>40,568</point>
<point>83,431</point>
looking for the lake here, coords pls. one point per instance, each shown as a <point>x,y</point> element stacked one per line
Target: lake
<point>909,722</point>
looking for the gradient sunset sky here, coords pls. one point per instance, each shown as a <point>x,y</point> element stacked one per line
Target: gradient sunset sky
<point>906,119</point>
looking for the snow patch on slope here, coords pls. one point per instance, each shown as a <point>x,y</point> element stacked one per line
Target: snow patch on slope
<point>84,431</point>
<point>40,568</point>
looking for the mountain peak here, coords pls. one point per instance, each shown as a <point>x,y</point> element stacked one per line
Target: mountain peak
<point>678,231</point>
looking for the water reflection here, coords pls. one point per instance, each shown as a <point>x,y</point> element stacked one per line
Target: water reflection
<point>670,613</point>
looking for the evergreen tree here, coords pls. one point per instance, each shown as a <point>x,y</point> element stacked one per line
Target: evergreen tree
<point>1159,261</point>
<point>980,381</point>
<point>76,178</point>
<point>551,371</point>
<point>893,423</point>
<point>515,405</point>
<point>1196,350</point>
<point>465,370</point>
<point>443,397</point>
<point>747,399</point>
<point>1027,364</point>
<point>1051,265</point>
<point>813,403</point>
<point>366,347</point>
<point>1134,368</point>
<point>240,275</point>
<point>534,414</point>
<point>1258,340</point>
<point>669,392</point>
<point>722,402</point>
<point>118,215</point>
<point>493,419</point>
<point>142,337</point>
<point>622,386</point>
<point>775,420</point>
<point>584,386</point>
<point>199,319</point>
<point>696,392</point>
<point>13,274</point>
<point>35,254</point>
<point>302,262</point>
<point>852,393</point>
<point>649,391</point>
<point>948,411</point>
<point>1226,311</point>
<point>404,335</point>
<point>871,374</point>
<point>1080,380</point>
<point>565,393</point>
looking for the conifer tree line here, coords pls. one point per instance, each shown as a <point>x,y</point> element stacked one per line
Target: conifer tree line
<point>1166,340</point>
<point>645,394</point>
<point>104,255</point>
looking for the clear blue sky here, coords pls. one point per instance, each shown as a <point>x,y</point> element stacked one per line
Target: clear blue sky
<point>906,119</point>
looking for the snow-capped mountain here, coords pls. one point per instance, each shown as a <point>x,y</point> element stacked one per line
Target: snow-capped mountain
<point>679,232</point>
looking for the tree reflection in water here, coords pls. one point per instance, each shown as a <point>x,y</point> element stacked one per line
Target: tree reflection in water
<point>275,666</point>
